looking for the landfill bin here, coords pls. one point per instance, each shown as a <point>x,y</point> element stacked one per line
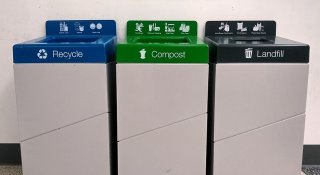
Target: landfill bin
<point>162,79</point>
<point>64,90</point>
<point>257,99</point>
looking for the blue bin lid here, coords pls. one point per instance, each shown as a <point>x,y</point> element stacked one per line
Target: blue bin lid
<point>70,41</point>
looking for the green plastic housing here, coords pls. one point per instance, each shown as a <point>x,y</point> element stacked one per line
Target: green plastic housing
<point>162,42</point>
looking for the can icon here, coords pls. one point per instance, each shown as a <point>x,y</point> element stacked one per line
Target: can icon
<point>248,53</point>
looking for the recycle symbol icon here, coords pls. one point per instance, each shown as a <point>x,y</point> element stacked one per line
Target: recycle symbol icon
<point>42,54</point>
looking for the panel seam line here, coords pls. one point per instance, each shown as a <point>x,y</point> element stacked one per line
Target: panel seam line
<point>64,126</point>
<point>260,127</point>
<point>161,127</point>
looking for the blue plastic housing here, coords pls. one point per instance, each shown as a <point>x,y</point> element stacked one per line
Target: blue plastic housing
<point>70,41</point>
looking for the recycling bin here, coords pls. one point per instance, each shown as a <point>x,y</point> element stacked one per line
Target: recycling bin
<point>162,89</point>
<point>65,100</point>
<point>257,99</point>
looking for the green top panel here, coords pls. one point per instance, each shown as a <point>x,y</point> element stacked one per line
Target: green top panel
<point>161,28</point>
<point>159,42</point>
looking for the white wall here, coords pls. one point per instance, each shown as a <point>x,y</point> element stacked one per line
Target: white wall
<point>22,20</point>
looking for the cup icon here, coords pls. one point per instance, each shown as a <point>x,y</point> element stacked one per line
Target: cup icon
<point>81,28</point>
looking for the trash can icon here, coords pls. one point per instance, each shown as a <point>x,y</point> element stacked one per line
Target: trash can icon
<point>143,54</point>
<point>248,53</point>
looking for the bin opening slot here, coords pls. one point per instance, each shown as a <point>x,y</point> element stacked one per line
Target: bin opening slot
<point>163,40</point>
<point>261,39</point>
<point>69,40</point>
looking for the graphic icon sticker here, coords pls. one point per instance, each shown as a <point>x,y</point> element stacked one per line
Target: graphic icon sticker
<point>99,26</point>
<point>139,27</point>
<point>92,26</point>
<point>63,27</point>
<point>78,27</point>
<point>225,27</point>
<point>184,28</point>
<point>248,53</point>
<point>258,27</point>
<point>42,54</point>
<point>143,54</point>
<point>240,27</point>
<point>154,27</point>
<point>169,28</point>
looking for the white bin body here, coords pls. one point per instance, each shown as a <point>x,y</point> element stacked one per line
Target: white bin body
<point>64,115</point>
<point>258,117</point>
<point>162,118</point>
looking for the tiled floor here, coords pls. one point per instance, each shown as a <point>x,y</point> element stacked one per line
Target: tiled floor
<point>10,170</point>
<point>16,170</point>
<point>311,169</point>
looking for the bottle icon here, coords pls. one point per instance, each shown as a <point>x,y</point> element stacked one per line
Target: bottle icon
<point>63,27</point>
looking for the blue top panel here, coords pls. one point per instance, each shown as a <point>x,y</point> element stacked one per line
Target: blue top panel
<point>70,41</point>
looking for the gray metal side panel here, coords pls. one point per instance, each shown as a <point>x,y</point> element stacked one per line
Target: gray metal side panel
<point>50,96</point>
<point>178,149</point>
<point>248,96</point>
<point>79,149</point>
<point>150,96</point>
<point>272,150</point>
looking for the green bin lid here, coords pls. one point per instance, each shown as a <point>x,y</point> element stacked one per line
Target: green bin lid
<point>162,42</point>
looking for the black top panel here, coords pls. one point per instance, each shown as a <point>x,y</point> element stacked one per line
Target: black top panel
<point>234,46</point>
